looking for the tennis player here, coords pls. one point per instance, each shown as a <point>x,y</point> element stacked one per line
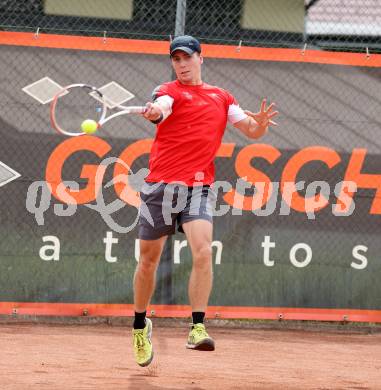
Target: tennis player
<point>191,117</point>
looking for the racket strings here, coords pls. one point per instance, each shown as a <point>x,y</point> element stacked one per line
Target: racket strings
<point>74,106</point>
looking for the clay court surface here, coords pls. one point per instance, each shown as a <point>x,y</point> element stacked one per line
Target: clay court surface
<point>100,357</point>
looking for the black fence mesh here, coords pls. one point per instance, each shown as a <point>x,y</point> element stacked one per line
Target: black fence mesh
<point>352,25</point>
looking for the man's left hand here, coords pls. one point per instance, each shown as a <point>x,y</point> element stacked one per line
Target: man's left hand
<point>264,116</point>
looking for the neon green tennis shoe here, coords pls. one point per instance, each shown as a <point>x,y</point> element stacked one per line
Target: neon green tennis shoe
<point>143,349</point>
<point>199,339</point>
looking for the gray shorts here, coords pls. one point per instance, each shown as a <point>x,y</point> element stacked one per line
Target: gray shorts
<point>165,207</point>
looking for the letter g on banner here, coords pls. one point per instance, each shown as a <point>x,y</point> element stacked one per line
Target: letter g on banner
<point>92,172</point>
<point>57,160</point>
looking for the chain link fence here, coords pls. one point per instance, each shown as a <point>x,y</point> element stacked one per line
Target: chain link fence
<point>351,25</point>
<point>325,106</point>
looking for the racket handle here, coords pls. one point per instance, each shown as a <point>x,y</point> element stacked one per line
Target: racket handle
<point>133,109</point>
<point>125,111</point>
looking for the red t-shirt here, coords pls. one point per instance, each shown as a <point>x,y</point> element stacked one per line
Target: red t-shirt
<point>187,141</point>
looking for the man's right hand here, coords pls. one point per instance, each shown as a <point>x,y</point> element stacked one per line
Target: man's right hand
<point>153,112</point>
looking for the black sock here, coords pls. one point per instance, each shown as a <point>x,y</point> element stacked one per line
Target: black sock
<point>140,320</point>
<point>198,317</point>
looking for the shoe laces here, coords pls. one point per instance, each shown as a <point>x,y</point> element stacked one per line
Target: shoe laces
<point>200,329</point>
<point>139,341</point>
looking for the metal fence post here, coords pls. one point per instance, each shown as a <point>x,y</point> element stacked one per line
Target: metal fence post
<point>180,17</point>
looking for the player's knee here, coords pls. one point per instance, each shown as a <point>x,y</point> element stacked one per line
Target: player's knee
<point>148,259</point>
<point>148,263</point>
<point>202,256</point>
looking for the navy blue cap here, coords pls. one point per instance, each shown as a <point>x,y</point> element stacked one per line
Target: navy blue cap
<point>185,43</point>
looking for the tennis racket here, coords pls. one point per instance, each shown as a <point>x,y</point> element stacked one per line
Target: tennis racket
<point>78,102</point>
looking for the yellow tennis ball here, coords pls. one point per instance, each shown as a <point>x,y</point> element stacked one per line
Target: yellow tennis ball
<point>89,126</point>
